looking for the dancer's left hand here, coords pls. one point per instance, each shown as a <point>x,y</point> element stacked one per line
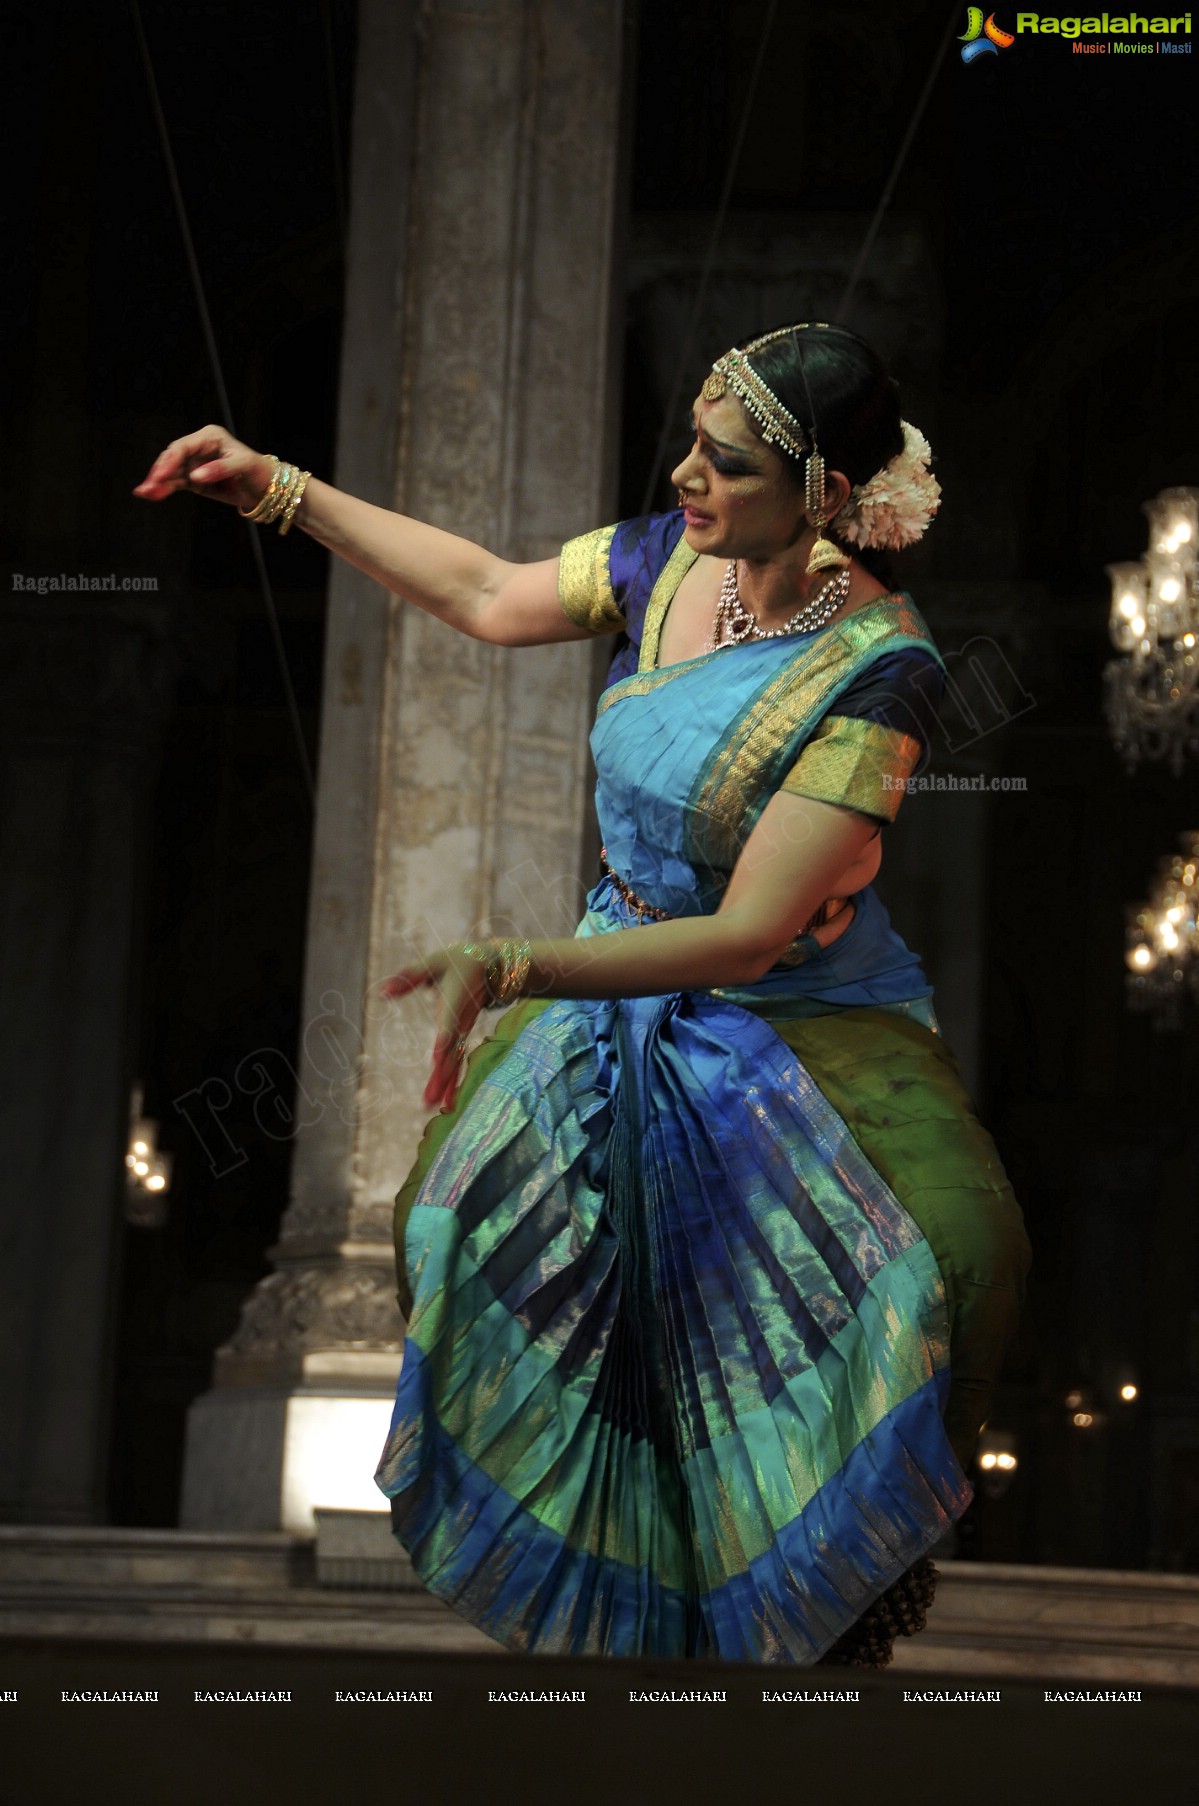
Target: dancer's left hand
<point>460,978</point>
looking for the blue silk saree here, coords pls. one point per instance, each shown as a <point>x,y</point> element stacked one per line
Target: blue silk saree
<point>678,1356</point>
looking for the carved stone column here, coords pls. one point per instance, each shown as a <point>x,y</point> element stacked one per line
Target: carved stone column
<point>476,394</point>
<point>82,697</point>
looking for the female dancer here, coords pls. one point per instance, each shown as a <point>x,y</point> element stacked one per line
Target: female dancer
<point>707,1262</point>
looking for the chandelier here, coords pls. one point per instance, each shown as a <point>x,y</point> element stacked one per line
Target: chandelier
<point>1162,948</point>
<point>147,1170</point>
<point>1151,693</point>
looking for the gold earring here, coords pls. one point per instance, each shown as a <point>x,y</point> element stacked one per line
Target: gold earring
<point>824,555</point>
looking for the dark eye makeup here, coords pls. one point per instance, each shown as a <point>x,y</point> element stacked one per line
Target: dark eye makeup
<point>728,467</point>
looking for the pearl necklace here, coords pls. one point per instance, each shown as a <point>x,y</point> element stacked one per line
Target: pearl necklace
<point>733,623</point>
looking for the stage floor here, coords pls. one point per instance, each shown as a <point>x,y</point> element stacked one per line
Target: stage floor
<point>617,1744</point>
<point>1044,1685</point>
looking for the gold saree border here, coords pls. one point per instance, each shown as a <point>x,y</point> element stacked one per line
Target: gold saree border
<point>726,797</point>
<point>585,584</point>
<point>859,764</point>
<point>661,597</point>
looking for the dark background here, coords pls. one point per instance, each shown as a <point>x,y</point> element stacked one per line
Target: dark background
<point>1058,194</point>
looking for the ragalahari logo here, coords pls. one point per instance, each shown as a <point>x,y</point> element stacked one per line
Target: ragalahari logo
<point>982,37</point>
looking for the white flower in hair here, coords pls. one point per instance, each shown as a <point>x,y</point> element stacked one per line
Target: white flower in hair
<point>894,508</point>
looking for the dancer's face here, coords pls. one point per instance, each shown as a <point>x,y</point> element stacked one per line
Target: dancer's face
<point>740,499</point>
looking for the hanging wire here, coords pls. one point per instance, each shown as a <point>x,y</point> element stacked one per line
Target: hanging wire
<point>867,245</point>
<point>730,175</point>
<point>901,157</point>
<point>218,377</point>
<point>336,160</point>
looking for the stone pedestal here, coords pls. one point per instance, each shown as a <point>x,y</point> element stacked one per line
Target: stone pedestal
<point>453,776</point>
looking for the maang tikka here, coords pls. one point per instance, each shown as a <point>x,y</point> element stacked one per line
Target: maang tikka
<point>779,426</point>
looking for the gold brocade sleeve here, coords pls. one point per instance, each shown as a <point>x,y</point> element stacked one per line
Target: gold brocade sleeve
<point>859,764</point>
<point>584,583</point>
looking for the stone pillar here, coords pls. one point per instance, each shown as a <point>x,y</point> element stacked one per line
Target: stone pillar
<point>81,700</point>
<point>477,394</point>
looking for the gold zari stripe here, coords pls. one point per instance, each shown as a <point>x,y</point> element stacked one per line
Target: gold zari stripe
<point>729,795</point>
<point>661,597</point>
<point>584,585</point>
<point>849,761</point>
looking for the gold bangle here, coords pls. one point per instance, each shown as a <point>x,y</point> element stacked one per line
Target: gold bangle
<point>516,958</point>
<point>282,496</point>
<point>294,500</point>
<point>280,493</point>
<point>287,482</point>
<point>267,497</point>
<point>505,969</point>
<point>276,496</point>
<point>286,492</point>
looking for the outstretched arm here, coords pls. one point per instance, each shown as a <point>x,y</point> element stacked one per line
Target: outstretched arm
<point>797,853</point>
<point>467,587</point>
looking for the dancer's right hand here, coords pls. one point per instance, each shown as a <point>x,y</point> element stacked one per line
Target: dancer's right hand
<point>210,462</point>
